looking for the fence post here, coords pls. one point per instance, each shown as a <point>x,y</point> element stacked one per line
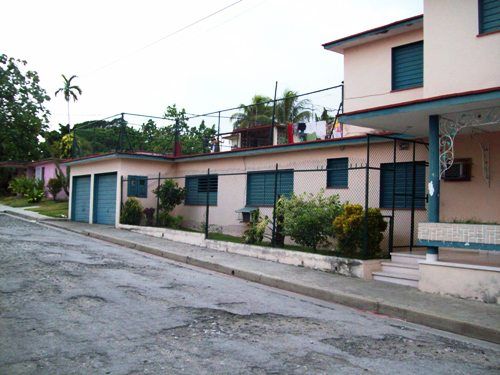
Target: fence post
<point>412,219</point>
<point>273,237</point>
<point>367,192</point>
<point>121,197</point>
<point>208,204</point>
<point>158,201</point>
<point>393,211</point>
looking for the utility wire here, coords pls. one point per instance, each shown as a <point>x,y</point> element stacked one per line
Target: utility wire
<point>168,35</point>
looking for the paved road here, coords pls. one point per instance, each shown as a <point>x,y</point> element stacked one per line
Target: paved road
<point>70,304</point>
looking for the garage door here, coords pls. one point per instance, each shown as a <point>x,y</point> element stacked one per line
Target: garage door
<point>80,201</point>
<point>104,198</point>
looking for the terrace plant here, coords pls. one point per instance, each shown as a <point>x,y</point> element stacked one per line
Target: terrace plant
<point>170,195</point>
<point>307,218</point>
<point>350,231</point>
<point>256,228</point>
<point>54,185</point>
<point>132,212</point>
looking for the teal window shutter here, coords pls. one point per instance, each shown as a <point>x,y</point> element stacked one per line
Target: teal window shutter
<point>260,187</point>
<point>408,66</point>
<point>489,16</point>
<point>137,186</point>
<point>337,174</point>
<point>403,174</point>
<point>197,188</point>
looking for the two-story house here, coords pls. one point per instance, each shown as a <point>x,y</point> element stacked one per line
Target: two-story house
<point>437,76</point>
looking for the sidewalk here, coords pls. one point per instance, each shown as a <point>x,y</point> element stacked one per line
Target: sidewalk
<point>468,318</point>
<point>24,213</point>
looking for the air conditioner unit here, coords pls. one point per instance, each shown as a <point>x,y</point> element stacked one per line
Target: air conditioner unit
<point>459,171</point>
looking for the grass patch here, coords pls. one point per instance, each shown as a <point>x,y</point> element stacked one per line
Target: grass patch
<point>52,208</point>
<point>16,202</point>
<point>235,239</point>
<point>46,207</point>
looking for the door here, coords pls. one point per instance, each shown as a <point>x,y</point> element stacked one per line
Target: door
<point>80,201</point>
<point>105,198</point>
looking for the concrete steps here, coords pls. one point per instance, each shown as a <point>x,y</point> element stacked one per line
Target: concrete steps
<point>403,269</point>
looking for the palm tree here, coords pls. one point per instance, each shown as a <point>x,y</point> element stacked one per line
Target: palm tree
<point>258,113</point>
<point>69,91</point>
<point>291,109</point>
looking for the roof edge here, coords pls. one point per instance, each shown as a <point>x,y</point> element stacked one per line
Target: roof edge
<point>374,31</point>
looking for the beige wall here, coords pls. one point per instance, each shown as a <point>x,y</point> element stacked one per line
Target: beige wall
<point>456,59</point>
<point>474,199</point>
<point>367,74</point>
<point>458,280</point>
<point>123,167</point>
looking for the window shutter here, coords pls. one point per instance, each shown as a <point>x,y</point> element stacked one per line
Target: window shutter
<point>196,190</point>
<point>489,16</point>
<point>131,186</point>
<point>142,188</point>
<point>404,185</point>
<point>260,187</point>
<point>408,66</point>
<point>337,174</point>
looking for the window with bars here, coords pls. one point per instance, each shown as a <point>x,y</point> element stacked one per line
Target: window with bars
<point>197,188</point>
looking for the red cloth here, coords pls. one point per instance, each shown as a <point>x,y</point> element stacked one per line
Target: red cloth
<point>289,131</point>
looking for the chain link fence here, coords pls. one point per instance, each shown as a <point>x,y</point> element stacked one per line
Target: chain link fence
<point>388,174</point>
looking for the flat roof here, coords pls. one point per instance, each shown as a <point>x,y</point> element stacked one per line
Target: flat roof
<point>311,145</point>
<point>381,32</point>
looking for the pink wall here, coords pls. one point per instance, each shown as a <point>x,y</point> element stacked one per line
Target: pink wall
<point>474,199</point>
<point>49,172</point>
<point>456,59</point>
<point>367,74</point>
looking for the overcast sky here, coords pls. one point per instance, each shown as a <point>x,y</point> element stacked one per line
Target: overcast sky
<point>218,63</point>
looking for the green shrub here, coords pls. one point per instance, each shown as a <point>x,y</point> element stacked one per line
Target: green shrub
<point>349,228</point>
<point>170,221</point>
<point>170,195</point>
<point>308,218</point>
<point>256,228</point>
<point>131,212</point>
<point>149,213</point>
<point>54,186</point>
<point>23,185</point>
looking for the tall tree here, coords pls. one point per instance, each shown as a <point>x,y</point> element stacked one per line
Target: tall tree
<point>69,91</point>
<point>23,115</point>
<point>291,109</point>
<point>258,113</point>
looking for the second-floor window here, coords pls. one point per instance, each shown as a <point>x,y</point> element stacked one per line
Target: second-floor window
<point>408,66</point>
<point>489,16</point>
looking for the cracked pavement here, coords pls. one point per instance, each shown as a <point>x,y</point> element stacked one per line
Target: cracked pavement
<point>70,304</point>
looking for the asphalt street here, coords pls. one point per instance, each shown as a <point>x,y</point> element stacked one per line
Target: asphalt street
<point>74,305</point>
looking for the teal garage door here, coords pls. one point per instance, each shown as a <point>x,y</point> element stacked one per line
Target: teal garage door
<point>105,198</point>
<point>80,201</point>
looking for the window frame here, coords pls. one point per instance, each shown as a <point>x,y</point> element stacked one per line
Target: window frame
<point>330,172</point>
<point>480,11</point>
<point>211,201</point>
<point>420,202</point>
<point>394,50</point>
<point>136,180</point>
<point>267,172</point>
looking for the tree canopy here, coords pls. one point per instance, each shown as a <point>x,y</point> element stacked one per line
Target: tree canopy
<point>23,115</point>
<point>289,108</point>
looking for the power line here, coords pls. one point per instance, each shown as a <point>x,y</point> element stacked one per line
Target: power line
<point>168,35</point>
<point>267,102</point>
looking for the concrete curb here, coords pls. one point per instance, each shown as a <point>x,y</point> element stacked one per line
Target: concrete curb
<point>351,300</point>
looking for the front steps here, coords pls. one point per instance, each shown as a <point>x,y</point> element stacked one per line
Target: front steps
<point>402,269</point>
